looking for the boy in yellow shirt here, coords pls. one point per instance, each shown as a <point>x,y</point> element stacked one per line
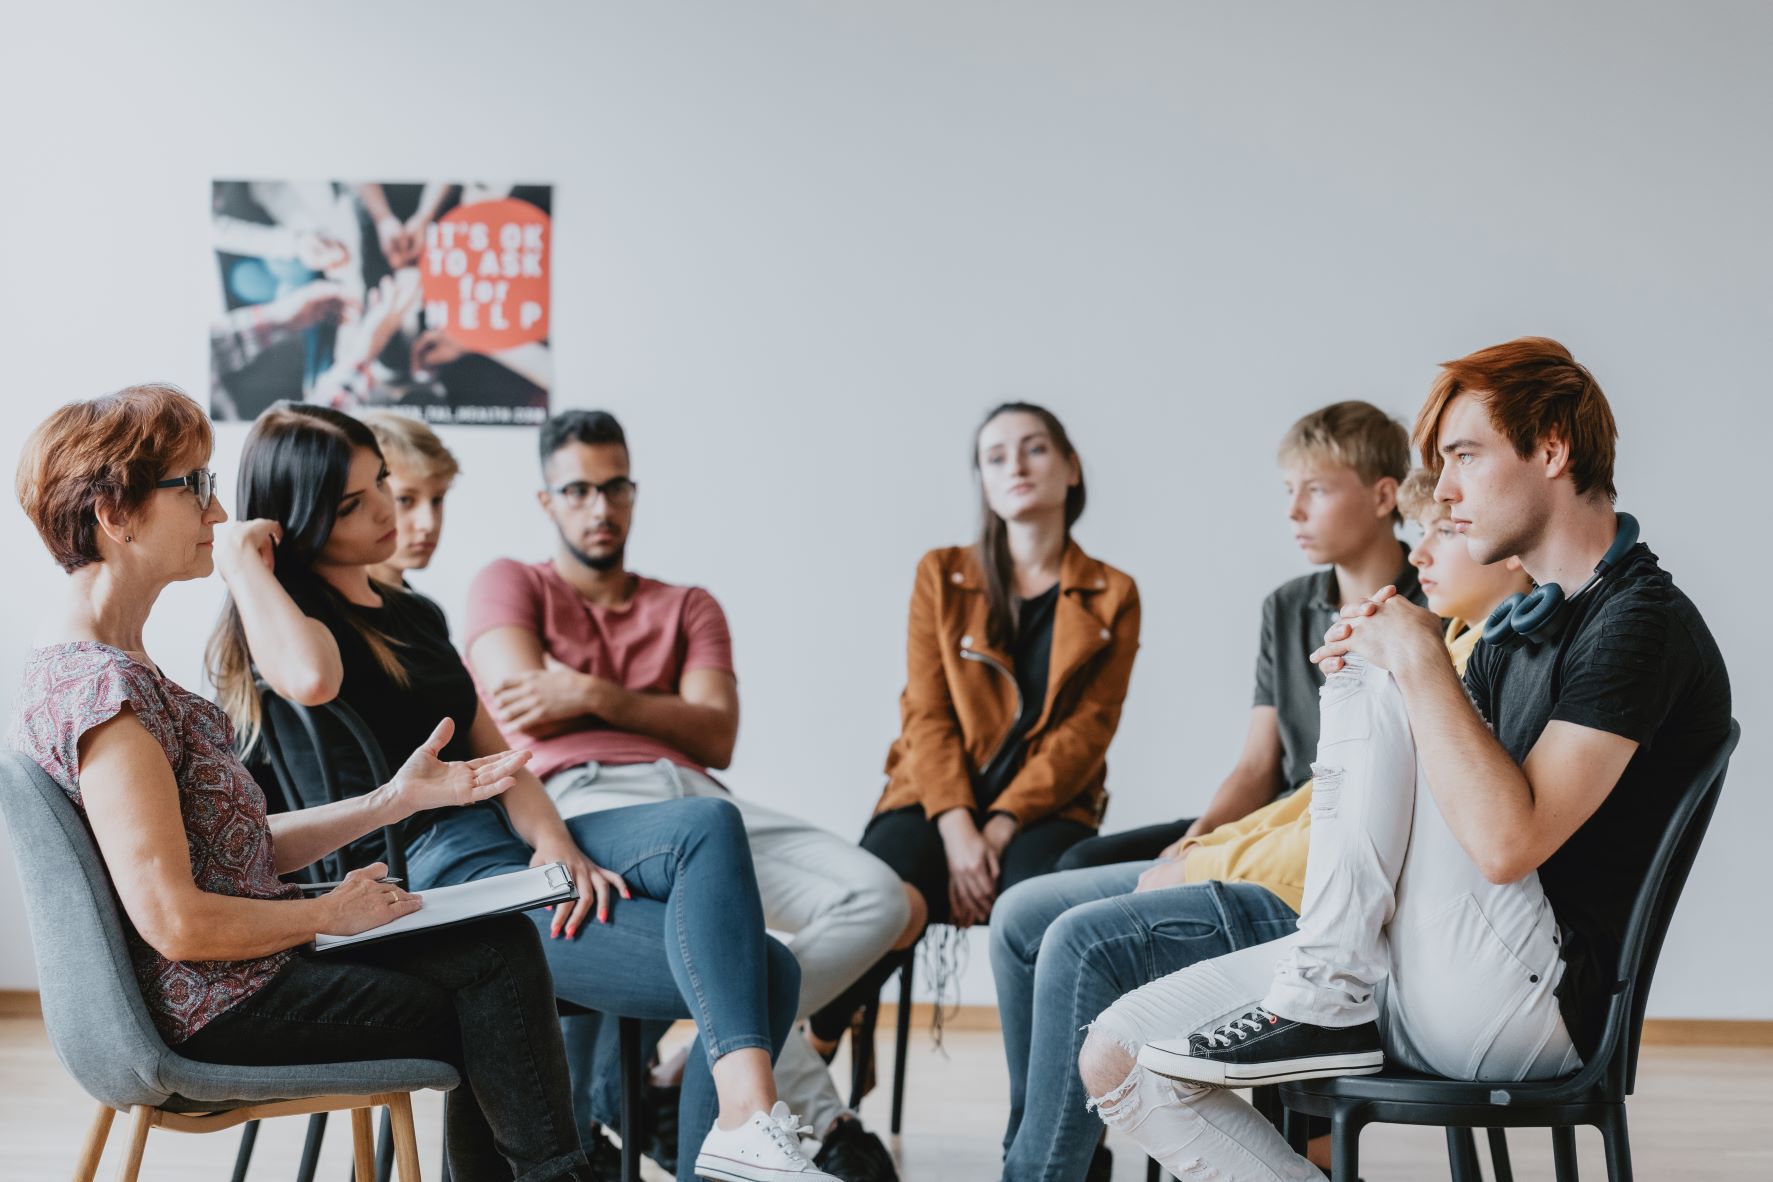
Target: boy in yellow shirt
<point>1065,946</point>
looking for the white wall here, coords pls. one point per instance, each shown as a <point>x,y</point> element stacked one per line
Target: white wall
<point>802,245</point>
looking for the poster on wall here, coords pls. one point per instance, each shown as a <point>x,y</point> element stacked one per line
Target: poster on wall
<point>431,298</point>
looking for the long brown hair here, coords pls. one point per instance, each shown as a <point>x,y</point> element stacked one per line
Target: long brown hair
<point>293,470</point>
<point>994,535</point>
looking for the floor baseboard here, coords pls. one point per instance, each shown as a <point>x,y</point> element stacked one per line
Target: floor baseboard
<point>20,1003</point>
<point>1700,1032</point>
<point>1694,1032</point>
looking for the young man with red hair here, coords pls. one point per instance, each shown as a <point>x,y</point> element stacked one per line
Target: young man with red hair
<point>1475,847</point>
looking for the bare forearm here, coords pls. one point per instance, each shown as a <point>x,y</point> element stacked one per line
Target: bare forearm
<point>206,926</point>
<point>1481,791</point>
<point>375,200</point>
<point>430,198</point>
<point>532,813</point>
<point>306,835</point>
<point>1243,792</point>
<point>294,653</point>
<point>704,733</point>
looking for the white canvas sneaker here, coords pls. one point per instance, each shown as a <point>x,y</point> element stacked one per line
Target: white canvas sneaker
<point>765,1148</point>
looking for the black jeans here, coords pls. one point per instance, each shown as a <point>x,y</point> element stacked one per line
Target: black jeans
<point>1129,845</point>
<point>910,843</point>
<point>477,996</point>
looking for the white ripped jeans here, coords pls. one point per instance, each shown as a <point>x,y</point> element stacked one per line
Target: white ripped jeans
<point>1398,926</point>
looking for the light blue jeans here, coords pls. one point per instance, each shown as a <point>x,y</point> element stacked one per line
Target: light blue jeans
<point>689,944</point>
<point>1064,947</point>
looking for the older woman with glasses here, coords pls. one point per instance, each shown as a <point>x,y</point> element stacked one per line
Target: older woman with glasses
<point>119,490</point>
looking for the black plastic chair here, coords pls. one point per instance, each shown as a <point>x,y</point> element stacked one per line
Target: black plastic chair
<point>862,1043</point>
<point>276,744</point>
<point>285,797</point>
<point>1595,1095</point>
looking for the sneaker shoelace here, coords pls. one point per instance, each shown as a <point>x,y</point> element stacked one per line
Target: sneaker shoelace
<point>785,1130</point>
<point>1238,1028</point>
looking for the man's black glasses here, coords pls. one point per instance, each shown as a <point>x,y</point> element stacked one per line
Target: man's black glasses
<point>619,492</point>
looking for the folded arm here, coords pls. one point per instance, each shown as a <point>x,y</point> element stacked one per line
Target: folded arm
<point>536,696</point>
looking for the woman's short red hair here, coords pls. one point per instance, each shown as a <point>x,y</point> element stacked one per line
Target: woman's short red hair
<point>105,451</point>
<point>1532,388</point>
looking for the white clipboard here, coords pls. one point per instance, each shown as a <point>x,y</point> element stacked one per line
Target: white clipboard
<point>521,890</point>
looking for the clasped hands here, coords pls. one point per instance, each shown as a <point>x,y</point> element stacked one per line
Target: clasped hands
<point>975,858</point>
<point>1387,630</point>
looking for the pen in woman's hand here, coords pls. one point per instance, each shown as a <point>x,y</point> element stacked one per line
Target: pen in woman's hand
<point>327,886</point>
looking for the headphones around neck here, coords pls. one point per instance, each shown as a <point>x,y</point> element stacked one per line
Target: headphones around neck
<point>1537,616</point>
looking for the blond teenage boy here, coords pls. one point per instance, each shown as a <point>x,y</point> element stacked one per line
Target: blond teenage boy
<point>1340,467</point>
<point>421,471</point>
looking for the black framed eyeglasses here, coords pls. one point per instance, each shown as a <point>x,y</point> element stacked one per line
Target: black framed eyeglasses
<point>619,492</point>
<point>201,482</point>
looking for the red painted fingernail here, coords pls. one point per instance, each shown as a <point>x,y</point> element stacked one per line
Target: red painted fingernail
<point>572,933</point>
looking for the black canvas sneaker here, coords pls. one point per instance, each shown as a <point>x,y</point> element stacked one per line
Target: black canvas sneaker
<point>1265,1048</point>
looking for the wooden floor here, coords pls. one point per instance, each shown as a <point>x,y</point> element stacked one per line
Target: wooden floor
<point>1701,1115</point>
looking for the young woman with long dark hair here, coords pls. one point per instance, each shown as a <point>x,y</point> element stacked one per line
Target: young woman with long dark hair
<point>679,928</point>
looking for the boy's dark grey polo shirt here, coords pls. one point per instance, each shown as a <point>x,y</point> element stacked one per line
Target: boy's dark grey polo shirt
<point>1295,617</point>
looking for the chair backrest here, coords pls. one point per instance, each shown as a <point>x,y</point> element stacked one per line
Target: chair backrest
<point>1643,940</point>
<point>92,1006</point>
<point>309,734</point>
<point>1614,1066</point>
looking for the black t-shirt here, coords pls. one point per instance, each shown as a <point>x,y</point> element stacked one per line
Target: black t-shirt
<point>1635,660</point>
<point>401,717</point>
<point>1031,654</point>
<point>1295,617</point>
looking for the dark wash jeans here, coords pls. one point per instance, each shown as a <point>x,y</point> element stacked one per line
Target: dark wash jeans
<point>1066,946</point>
<point>476,996</point>
<point>689,944</point>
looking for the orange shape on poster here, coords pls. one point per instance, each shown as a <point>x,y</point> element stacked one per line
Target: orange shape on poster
<point>485,274</point>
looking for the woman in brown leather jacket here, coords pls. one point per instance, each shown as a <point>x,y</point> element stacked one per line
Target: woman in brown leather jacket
<point>1019,652</point>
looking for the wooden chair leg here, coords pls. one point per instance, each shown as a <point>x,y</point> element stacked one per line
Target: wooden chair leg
<point>406,1142</point>
<point>1500,1167</point>
<point>143,1120</point>
<point>94,1148</point>
<point>1563,1153</point>
<point>363,1145</point>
